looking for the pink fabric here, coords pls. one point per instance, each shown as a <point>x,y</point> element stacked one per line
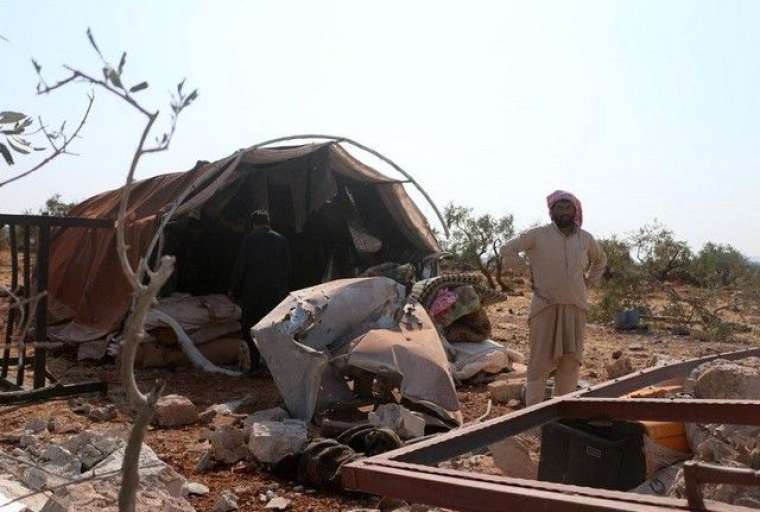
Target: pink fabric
<point>444,299</point>
<point>559,195</point>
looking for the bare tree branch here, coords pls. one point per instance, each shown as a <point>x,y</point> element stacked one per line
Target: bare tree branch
<point>57,150</point>
<point>130,467</point>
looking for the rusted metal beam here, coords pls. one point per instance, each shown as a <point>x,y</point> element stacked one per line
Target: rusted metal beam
<point>736,412</point>
<point>697,473</point>
<point>67,222</point>
<point>478,493</point>
<point>460,441</point>
<point>409,472</point>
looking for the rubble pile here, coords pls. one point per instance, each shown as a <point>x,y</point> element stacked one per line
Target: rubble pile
<point>44,459</point>
<point>727,445</point>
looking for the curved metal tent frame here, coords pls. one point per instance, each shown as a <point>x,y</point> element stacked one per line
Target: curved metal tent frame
<point>361,146</point>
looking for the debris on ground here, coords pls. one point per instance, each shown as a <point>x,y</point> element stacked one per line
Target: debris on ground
<point>272,441</point>
<point>727,445</point>
<point>619,367</point>
<point>175,411</point>
<point>398,418</point>
<point>42,463</point>
<point>226,502</point>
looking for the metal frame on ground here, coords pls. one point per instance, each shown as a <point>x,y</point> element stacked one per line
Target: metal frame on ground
<point>409,473</point>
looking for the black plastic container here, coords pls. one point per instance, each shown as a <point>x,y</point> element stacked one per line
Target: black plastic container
<point>605,455</point>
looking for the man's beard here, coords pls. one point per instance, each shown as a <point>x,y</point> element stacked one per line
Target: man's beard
<point>564,221</point>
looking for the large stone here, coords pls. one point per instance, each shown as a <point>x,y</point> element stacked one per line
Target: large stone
<point>273,414</point>
<point>226,502</point>
<point>175,411</point>
<point>34,478</point>
<point>36,425</point>
<point>92,350</point>
<point>398,418</point>
<point>272,441</point>
<point>619,367</point>
<point>502,391</point>
<point>228,444</point>
<point>195,488</point>
<point>62,461</point>
<point>728,379</point>
<point>513,457</point>
<point>92,447</point>
<point>278,503</point>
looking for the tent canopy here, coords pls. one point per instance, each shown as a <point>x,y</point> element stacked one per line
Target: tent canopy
<point>338,214</point>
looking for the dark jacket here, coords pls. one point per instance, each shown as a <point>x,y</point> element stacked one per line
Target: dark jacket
<point>260,276</point>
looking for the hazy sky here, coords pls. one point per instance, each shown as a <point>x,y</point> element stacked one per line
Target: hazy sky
<point>644,109</point>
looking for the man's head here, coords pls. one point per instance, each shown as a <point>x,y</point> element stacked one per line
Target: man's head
<point>260,219</point>
<point>563,213</point>
<point>565,209</point>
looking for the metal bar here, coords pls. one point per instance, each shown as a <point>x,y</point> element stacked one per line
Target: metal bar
<point>657,374</point>
<point>11,322</point>
<point>6,384</point>
<point>40,324</point>
<point>68,222</point>
<point>457,442</point>
<point>21,367</point>
<point>54,391</point>
<point>477,495</point>
<point>735,412</point>
<point>539,485</point>
<point>698,473</point>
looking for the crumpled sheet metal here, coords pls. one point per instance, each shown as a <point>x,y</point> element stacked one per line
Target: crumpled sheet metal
<point>353,323</point>
<point>414,353</point>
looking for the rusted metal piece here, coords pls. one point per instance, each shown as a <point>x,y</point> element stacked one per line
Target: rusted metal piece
<point>409,472</point>
<point>697,473</point>
<point>472,492</point>
<point>739,412</point>
<point>41,376</point>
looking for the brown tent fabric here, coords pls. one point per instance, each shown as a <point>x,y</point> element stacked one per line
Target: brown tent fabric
<point>89,296</point>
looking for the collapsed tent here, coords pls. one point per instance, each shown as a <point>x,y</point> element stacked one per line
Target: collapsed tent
<point>339,215</point>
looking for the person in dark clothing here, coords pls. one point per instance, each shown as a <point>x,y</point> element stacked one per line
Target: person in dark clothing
<point>260,276</point>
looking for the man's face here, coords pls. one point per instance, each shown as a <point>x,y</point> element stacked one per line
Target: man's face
<point>563,213</point>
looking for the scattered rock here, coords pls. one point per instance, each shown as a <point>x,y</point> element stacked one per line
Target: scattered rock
<point>36,425</point>
<point>502,391</point>
<point>278,503</point>
<point>207,416</point>
<point>60,425</point>
<point>405,423</point>
<point>226,502</point>
<point>271,441</point>
<point>79,406</point>
<point>195,488</point>
<point>175,411</point>
<point>636,348</point>
<point>273,414</point>
<point>34,478</point>
<point>513,457</point>
<point>206,462</point>
<point>728,379</point>
<point>680,330</point>
<point>95,350</point>
<point>619,367</point>
<point>102,414</point>
<point>228,444</point>
<point>62,460</point>
<point>92,447</point>
<point>616,354</point>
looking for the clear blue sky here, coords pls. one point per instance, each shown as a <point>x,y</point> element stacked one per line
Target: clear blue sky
<point>645,109</point>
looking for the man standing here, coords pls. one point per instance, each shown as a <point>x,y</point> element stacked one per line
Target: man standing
<point>563,260</point>
<point>260,276</point>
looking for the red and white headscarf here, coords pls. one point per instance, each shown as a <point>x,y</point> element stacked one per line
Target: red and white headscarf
<point>559,195</point>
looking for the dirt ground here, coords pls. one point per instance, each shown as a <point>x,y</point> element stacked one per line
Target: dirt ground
<point>182,447</point>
